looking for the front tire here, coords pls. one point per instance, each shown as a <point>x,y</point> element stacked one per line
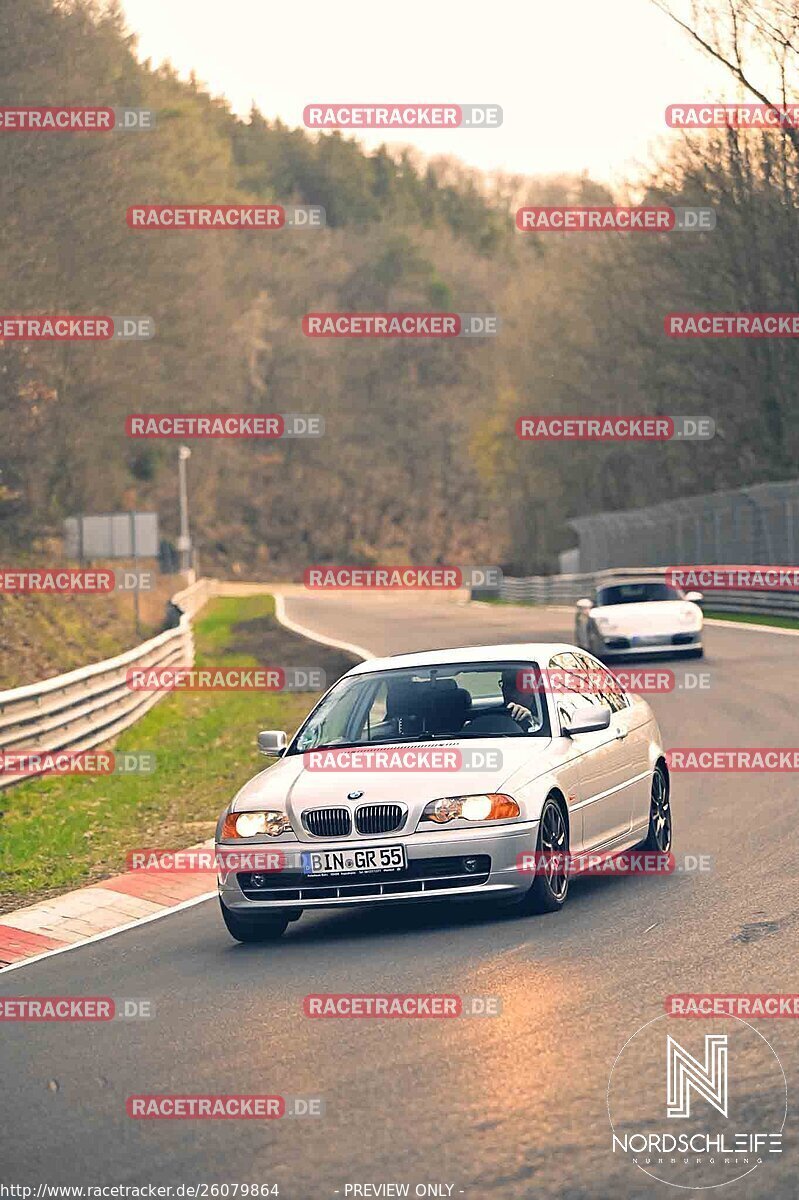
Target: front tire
<point>261,927</point>
<point>549,889</point>
<point>658,836</point>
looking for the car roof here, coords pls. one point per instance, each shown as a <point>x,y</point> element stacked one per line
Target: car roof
<point>513,651</point>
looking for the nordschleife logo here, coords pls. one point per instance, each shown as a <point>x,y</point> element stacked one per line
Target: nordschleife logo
<point>700,1111</point>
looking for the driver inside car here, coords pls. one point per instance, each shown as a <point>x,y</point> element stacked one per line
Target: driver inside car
<point>516,702</point>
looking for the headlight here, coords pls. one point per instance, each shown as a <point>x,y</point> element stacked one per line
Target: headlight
<point>689,617</point>
<point>492,807</point>
<point>248,824</point>
<point>604,624</point>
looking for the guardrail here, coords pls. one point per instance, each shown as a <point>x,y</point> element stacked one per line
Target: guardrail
<point>87,707</point>
<point>566,589</point>
<point>92,705</point>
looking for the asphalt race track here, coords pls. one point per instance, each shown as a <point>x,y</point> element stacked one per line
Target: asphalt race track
<point>510,1106</point>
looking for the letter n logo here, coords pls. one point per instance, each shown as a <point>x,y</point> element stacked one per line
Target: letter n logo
<point>708,1079</point>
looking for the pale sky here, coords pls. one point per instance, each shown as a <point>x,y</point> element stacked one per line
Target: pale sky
<point>583,83</point>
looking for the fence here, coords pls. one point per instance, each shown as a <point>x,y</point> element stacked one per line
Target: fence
<point>566,589</point>
<point>84,708</point>
<point>757,524</point>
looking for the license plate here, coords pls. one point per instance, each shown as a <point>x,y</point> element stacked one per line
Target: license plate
<point>359,860</point>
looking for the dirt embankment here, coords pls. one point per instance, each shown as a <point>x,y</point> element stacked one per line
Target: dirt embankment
<point>44,635</point>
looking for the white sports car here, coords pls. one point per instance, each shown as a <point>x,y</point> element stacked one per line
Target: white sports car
<point>640,616</point>
<point>426,776</point>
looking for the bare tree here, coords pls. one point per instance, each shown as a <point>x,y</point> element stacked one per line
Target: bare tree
<point>738,33</point>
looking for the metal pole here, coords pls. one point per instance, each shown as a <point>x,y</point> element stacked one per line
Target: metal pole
<point>184,541</point>
<point>136,613</point>
<point>790,533</point>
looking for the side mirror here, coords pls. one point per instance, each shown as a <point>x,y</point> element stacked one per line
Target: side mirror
<point>695,597</point>
<point>585,605</point>
<point>586,718</point>
<point>272,742</point>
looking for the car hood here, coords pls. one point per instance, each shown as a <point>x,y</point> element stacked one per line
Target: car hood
<point>652,616</point>
<point>292,785</point>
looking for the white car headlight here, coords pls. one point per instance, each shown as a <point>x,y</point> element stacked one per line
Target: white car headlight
<point>689,617</point>
<point>604,624</point>
<point>493,806</point>
<point>249,824</point>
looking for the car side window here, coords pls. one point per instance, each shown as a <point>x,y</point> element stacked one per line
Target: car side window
<point>568,683</point>
<point>570,676</point>
<point>606,687</point>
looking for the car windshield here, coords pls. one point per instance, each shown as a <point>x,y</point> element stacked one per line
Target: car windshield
<point>636,593</point>
<point>458,700</point>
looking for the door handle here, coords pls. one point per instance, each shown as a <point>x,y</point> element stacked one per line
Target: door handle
<point>621,734</point>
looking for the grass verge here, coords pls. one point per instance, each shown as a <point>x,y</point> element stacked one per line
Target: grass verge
<point>501,600</point>
<point>754,619</point>
<point>59,833</point>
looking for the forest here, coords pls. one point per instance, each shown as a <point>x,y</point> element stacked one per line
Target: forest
<point>419,462</point>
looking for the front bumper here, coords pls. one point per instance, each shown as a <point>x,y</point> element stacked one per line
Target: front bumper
<point>427,877</point>
<point>661,643</point>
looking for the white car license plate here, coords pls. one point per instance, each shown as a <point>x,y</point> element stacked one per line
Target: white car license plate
<point>356,859</point>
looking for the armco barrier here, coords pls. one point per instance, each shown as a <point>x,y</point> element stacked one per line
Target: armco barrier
<point>566,589</point>
<point>90,706</point>
<point>84,708</point>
